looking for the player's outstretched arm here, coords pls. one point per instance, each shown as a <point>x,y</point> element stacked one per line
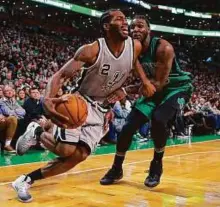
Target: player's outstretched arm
<point>148,88</point>
<point>164,60</point>
<point>85,55</point>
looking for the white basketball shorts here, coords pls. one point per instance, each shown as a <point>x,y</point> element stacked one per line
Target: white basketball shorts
<point>90,132</point>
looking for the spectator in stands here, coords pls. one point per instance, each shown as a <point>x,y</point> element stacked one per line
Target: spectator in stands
<point>34,112</point>
<point>26,90</point>
<point>9,106</point>
<point>213,113</point>
<point>33,106</point>
<point>8,78</point>
<point>1,92</point>
<point>8,127</point>
<point>121,110</point>
<point>27,60</point>
<point>212,106</point>
<point>201,105</point>
<point>21,97</point>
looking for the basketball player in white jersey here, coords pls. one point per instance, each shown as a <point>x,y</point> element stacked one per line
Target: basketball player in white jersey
<point>106,64</point>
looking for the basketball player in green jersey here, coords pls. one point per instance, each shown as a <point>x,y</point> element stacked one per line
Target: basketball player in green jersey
<point>173,89</point>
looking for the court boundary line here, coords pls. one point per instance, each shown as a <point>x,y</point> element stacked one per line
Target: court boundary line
<point>175,145</point>
<point>130,163</point>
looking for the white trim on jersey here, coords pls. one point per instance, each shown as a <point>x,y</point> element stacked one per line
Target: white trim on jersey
<point>116,58</point>
<point>87,68</point>
<point>97,60</point>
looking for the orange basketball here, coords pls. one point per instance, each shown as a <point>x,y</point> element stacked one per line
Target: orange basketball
<point>75,109</point>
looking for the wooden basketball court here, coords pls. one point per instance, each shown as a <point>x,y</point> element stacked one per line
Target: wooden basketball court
<point>191,178</point>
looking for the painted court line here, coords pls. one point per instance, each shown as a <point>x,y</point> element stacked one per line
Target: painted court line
<point>130,163</point>
<point>177,145</point>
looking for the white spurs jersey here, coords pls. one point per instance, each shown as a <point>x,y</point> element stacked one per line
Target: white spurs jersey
<point>108,73</point>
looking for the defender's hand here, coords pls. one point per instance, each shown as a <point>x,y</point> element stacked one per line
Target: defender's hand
<point>148,90</point>
<point>108,117</point>
<point>116,96</point>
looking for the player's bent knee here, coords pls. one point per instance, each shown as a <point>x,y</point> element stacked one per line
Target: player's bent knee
<point>79,156</point>
<point>84,153</point>
<point>84,156</point>
<point>65,150</point>
<point>66,153</point>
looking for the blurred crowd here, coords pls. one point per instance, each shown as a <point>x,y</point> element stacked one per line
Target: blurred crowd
<point>29,58</point>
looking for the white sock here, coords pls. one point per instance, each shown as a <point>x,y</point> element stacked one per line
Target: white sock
<point>8,143</point>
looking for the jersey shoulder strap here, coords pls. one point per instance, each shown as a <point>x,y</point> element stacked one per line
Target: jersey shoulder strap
<point>100,43</point>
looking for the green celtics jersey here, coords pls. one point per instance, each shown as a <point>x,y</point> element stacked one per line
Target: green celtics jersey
<point>178,81</point>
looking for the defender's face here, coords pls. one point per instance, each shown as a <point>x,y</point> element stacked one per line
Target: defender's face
<point>118,24</point>
<point>139,29</point>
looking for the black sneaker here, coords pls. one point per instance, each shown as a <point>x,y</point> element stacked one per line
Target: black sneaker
<point>155,172</point>
<point>112,176</point>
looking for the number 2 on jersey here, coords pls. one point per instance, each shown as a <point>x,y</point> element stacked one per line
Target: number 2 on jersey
<point>105,69</point>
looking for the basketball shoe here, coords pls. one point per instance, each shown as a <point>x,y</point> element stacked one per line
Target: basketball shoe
<point>27,140</point>
<point>21,186</point>
<point>155,172</point>
<point>112,176</point>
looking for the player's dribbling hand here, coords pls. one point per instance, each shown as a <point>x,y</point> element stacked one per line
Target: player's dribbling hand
<point>148,89</point>
<point>49,106</point>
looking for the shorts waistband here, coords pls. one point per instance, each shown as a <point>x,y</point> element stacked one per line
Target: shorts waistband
<point>95,104</point>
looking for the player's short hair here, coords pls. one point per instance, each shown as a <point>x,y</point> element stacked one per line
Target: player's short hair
<point>106,18</point>
<point>142,17</point>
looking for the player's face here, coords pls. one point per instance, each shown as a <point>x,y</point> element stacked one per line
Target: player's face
<point>139,29</point>
<point>119,25</point>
